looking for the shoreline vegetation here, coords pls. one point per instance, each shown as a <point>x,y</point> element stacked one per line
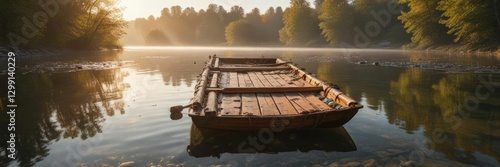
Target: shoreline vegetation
<point>434,25</point>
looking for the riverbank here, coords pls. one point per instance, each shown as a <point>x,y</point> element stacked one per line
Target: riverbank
<point>36,52</point>
<point>28,52</point>
<point>462,49</point>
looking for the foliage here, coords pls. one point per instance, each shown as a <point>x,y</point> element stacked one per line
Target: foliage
<point>86,24</point>
<point>240,32</point>
<point>471,21</point>
<point>300,24</point>
<point>273,22</point>
<point>422,21</point>
<point>336,21</point>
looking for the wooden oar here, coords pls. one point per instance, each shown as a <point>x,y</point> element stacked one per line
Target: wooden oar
<point>179,108</point>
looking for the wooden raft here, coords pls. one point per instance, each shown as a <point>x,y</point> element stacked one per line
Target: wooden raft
<point>250,94</point>
<point>268,89</point>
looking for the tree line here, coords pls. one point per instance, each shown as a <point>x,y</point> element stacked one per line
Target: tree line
<point>78,24</point>
<point>211,26</point>
<point>336,23</point>
<point>90,24</point>
<point>328,23</point>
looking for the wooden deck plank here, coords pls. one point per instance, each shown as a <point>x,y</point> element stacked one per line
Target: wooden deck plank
<point>282,103</point>
<point>320,105</point>
<point>296,99</point>
<point>246,69</point>
<point>284,106</point>
<point>266,89</point>
<point>231,103</point>
<point>233,79</point>
<point>255,79</point>
<point>249,102</point>
<point>277,76</point>
<point>300,103</point>
<point>266,102</point>
<point>263,79</point>
<point>290,78</point>
<point>224,80</point>
<point>271,78</point>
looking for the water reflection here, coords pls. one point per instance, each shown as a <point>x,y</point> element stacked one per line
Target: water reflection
<point>420,101</point>
<point>402,105</point>
<point>208,142</point>
<point>415,99</point>
<point>62,105</point>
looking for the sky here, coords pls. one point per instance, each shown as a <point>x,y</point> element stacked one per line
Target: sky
<point>144,8</point>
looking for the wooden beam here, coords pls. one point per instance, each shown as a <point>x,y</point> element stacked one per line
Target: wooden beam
<point>266,89</point>
<point>197,101</point>
<point>211,108</point>
<point>245,69</point>
<point>215,78</point>
<point>217,62</point>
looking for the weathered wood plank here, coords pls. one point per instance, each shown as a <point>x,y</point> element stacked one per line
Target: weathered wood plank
<point>269,76</point>
<point>316,102</point>
<point>284,106</point>
<point>233,79</point>
<point>290,78</point>
<point>231,104</point>
<point>267,105</point>
<point>266,102</point>
<point>255,80</point>
<point>300,103</point>
<point>266,89</point>
<point>263,79</point>
<point>246,69</point>
<point>224,80</point>
<point>279,79</point>
<point>249,102</point>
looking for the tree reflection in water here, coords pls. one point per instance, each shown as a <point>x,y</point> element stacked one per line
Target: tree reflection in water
<point>417,99</point>
<point>420,102</point>
<point>62,105</point>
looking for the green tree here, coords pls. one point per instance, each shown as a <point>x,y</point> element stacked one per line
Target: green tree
<point>318,4</point>
<point>336,21</point>
<point>211,29</point>
<point>273,22</point>
<point>300,24</point>
<point>470,21</point>
<point>422,21</point>
<point>255,19</point>
<point>240,32</point>
<point>236,13</point>
<point>75,24</point>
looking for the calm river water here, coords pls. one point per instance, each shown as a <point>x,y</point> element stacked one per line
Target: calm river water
<point>113,108</point>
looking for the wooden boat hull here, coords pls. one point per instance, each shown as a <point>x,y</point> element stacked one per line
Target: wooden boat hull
<point>266,94</point>
<point>280,123</point>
